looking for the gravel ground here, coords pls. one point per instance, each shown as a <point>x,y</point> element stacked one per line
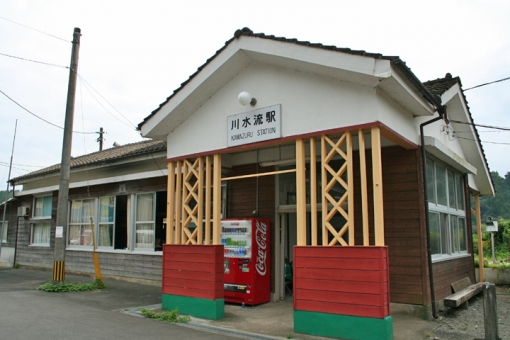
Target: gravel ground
<point>468,324</point>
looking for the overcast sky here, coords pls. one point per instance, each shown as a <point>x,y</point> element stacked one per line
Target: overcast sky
<point>133,55</point>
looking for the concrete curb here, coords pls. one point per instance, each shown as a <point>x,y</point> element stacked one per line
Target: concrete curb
<point>198,324</point>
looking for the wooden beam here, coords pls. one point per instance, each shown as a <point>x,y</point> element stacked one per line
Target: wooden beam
<point>324,177</point>
<point>259,174</point>
<point>364,187</point>
<point>170,204</point>
<point>216,199</point>
<point>377,187</point>
<point>200,203</point>
<point>207,200</point>
<point>301,192</point>
<point>479,232</point>
<point>178,203</point>
<point>313,191</point>
<point>350,187</point>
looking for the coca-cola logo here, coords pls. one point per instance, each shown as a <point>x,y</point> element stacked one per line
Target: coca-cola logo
<point>261,239</point>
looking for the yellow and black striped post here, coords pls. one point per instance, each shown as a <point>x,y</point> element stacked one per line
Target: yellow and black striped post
<point>59,270</point>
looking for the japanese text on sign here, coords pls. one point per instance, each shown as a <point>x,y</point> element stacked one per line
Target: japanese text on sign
<point>254,126</point>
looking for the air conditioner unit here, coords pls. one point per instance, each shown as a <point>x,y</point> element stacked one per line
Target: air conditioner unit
<point>23,211</point>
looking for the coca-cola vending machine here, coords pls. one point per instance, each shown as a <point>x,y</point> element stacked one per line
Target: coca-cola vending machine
<point>246,263</point>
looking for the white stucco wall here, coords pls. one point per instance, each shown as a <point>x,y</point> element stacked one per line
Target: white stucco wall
<point>309,103</point>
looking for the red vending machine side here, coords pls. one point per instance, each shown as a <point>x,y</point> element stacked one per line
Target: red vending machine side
<point>246,262</point>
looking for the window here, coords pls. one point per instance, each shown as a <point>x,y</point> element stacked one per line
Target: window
<point>40,234</point>
<point>124,222</point>
<point>447,216</point>
<point>4,233</point>
<point>80,226</point>
<point>145,221</point>
<point>42,206</point>
<point>106,221</point>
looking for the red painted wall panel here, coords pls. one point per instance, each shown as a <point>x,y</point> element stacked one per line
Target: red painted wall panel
<point>327,280</point>
<point>193,270</point>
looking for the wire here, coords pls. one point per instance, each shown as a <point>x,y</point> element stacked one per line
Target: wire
<point>480,131</point>
<point>485,126</point>
<point>32,166</point>
<point>34,61</point>
<point>474,140</point>
<point>7,165</point>
<point>17,23</point>
<point>106,108</point>
<point>88,85</point>
<point>33,114</point>
<point>492,82</point>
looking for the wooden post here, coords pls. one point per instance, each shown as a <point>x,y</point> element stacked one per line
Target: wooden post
<point>184,204</point>
<point>170,207</point>
<point>207,225</point>
<point>178,203</point>
<point>301,192</point>
<point>217,199</point>
<point>313,190</point>
<point>378,187</point>
<point>200,203</point>
<point>350,188</point>
<point>490,312</point>
<point>478,217</point>
<point>364,187</point>
<point>324,201</point>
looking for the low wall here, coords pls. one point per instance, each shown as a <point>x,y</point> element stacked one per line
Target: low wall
<point>497,276</point>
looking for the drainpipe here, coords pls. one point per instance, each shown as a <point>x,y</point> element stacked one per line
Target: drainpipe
<point>441,110</point>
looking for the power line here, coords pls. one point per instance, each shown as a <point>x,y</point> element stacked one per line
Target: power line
<point>485,126</point>
<point>474,140</point>
<point>33,29</point>
<point>7,165</point>
<point>44,120</point>
<point>33,166</point>
<point>492,82</point>
<point>88,85</point>
<point>34,61</point>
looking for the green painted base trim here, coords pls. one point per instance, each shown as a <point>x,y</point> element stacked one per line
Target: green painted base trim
<point>201,308</point>
<point>343,326</point>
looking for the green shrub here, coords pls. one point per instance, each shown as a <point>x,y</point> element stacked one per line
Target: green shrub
<point>167,316</point>
<point>72,287</point>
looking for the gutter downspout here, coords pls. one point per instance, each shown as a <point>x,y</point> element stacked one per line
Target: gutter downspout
<point>425,196</point>
<point>435,100</point>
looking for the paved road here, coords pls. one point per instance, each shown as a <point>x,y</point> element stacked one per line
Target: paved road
<point>29,314</point>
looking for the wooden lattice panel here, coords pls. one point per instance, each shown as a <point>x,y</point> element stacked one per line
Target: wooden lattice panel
<point>333,205</point>
<point>192,201</point>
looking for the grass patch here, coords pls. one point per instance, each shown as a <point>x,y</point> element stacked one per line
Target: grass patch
<point>167,316</point>
<point>71,287</point>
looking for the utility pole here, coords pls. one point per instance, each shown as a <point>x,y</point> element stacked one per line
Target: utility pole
<point>65,166</point>
<point>7,195</point>
<point>100,139</point>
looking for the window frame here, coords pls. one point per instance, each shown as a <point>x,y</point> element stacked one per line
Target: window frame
<point>137,222</point>
<point>100,223</point>
<point>34,209</point>
<point>5,231</point>
<point>83,224</point>
<point>450,215</point>
<point>32,233</point>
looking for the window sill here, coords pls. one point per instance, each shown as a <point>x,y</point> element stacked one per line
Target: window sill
<point>450,257</point>
<point>39,245</point>
<point>116,251</point>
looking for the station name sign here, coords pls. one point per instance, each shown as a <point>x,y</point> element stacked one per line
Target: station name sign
<point>254,126</point>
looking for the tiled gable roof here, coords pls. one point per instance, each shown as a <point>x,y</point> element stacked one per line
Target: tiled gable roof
<point>440,86</point>
<point>113,154</point>
<point>396,61</point>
